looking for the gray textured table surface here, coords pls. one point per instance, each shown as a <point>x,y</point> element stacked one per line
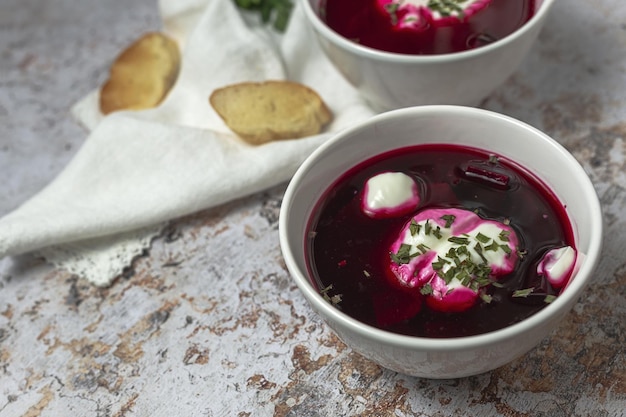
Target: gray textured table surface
<point>193,330</point>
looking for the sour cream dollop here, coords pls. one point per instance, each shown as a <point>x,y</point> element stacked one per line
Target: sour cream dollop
<point>557,265</point>
<point>451,255</point>
<point>389,194</point>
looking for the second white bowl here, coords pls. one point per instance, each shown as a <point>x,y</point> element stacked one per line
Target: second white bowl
<point>390,80</point>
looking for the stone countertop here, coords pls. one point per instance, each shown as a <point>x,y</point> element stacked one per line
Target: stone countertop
<point>196,329</point>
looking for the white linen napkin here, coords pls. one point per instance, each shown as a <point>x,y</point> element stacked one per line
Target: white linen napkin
<point>138,169</point>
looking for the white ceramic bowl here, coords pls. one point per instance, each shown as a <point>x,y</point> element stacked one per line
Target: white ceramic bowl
<point>502,135</point>
<point>390,80</point>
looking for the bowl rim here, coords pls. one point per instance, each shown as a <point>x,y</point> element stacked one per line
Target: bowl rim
<point>377,54</point>
<point>558,307</point>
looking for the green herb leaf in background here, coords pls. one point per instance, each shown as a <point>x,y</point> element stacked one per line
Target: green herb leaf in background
<point>275,11</point>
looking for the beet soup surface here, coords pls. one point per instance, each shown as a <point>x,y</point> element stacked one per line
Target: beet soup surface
<point>348,251</point>
<point>379,26</point>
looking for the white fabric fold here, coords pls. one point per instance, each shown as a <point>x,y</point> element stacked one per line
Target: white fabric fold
<point>137,170</point>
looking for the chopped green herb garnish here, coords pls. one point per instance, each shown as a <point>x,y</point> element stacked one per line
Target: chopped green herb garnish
<point>426,289</point>
<point>506,249</point>
<point>449,275</point>
<point>504,235</point>
<point>403,256</point>
<point>326,289</point>
<point>334,300</point>
<point>523,293</point>
<point>392,9</point>
<point>427,228</point>
<point>459,240</point>
<point>462,251</point>
<point>479,250</point>
<point>482,238</point>
<point>422,248</point>
<point>465,278</point>
<point>549,298</point>
<point>471,275</point>
<point>437,232</point>
<point>446,7</point>
<point>449,219</point>
<point>485,297</point>
<point>493,246</point>
<point>414,227</point>
<point>440,263</point>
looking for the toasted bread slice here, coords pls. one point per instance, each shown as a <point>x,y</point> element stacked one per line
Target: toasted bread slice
<point>271,110</point>
<point>142,75</point>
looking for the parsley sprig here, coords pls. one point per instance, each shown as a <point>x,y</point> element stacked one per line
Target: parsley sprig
<point>278,10</point>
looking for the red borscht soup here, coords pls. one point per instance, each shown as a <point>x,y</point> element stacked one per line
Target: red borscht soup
<point>465,243</point>
<point>426,26</point>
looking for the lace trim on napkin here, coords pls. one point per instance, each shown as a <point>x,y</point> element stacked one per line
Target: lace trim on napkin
<point>101,260</point>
